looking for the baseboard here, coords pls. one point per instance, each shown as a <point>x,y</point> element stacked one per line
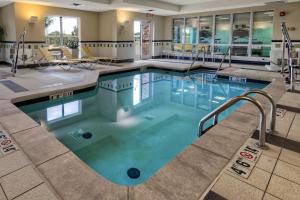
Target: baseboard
<point>247,62</point>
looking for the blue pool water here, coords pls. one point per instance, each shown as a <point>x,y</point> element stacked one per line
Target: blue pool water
<point>135,120</point>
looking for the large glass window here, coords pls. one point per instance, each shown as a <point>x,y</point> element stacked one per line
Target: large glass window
<point>178,30</point>
<point>191,28</point>
<point>58,30</point>
<point>262,27</point>
<point>248,34</point>
<point>262,33</point>
<point>222,33</point>
<point>241,28</point>
<point>205,30</point>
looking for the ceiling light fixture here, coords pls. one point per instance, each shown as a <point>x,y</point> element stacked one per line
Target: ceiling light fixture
<point>77,4</point>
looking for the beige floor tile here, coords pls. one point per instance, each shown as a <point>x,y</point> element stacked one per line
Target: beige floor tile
<point>241,121</point>
<point>39,145</point>
<point>41,192</point>
<point>282,124</point>
<point>74,180</point>
<point>2,195</point>
<point>266,163</point>
<point>270,197</point>
<point>272,150</point>
<point>283,188</point>
<point>258,178</point>
<point>222,140</point>
<point>290,157</point>
<point>7,108</point>
<point>186,177</point>
<point>234,189</point>
<point>288,171</point>
<point>12,162</point>
<point>20,181</point>
<point>294,133</point>
<point>17,122</point>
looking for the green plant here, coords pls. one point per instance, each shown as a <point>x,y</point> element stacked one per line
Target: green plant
<point>2,33</point>
<point>73,43</point>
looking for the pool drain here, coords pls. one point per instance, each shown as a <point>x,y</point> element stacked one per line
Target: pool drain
<point>87,135</point>
<point>133,173</point>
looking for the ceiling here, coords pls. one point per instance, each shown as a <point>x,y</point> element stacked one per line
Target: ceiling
<point>160,7</point>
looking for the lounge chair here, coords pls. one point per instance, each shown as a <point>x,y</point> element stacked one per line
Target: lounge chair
<point>82,61</point>
<point>62,63</point>
<point>89,55</point>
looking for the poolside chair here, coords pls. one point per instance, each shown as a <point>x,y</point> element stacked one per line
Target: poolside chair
<point>187,50</point>
<point>89,55</point>
<point>177,50</point>
<point>62,63</point>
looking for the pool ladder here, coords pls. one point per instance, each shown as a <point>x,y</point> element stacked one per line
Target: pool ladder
<point>245,96</point>
<point>202,50</point>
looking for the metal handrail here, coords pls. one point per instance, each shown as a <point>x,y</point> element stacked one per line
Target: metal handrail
<point>287,40</point>
<point>202,49</point>
<point>228,53</point>
<point>21,39</point>
<point>229,103</point>
<point>273,107</point>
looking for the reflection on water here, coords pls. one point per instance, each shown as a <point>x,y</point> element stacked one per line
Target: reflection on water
<point>135,120</point>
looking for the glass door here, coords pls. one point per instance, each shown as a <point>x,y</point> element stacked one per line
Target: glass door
<point>146,41</point>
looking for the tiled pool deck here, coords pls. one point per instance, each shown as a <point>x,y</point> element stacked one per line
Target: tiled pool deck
<point>44,169</point>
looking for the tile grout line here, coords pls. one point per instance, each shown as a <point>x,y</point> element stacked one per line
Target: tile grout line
<point>232,175</point>
<point>3,191</point>
<point>204,149</point>
<point>41,175</point>
<point>13,133</point>
<point>29,164</point>
<point>28,190</point>
<point>278,159</point>
<point>62,154</point>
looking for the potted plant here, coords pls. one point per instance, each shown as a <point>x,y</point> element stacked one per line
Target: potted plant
<point>73,44</point>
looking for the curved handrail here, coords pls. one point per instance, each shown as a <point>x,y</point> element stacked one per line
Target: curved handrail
<point>273,107</point>
<point>232,101</point>
<point>196,58</point>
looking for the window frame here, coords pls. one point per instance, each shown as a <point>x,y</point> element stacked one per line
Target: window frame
<point>213,44</point>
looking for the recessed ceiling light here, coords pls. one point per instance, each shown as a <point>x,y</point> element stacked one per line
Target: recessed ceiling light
<point>77,4</point>
<point>151,10</point>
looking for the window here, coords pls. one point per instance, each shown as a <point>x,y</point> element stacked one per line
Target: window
<point>58,30</point>
<point>222,34</point>
<point>205,30</point>
<point>60,112</point>
<point>248,34</point>
<point>241,28</point>
<point>191,28</point>
<point>262,33</point>
<point>178,30</point>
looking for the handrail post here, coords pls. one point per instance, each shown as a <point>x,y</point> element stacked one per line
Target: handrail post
<point>232,101</point>
<point>273,108</point>
<point>230,56</point>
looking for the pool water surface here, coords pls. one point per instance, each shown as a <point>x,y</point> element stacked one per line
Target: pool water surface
<point>132,124</point>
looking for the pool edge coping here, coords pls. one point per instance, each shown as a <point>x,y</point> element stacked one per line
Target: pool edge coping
<point>93,83</point>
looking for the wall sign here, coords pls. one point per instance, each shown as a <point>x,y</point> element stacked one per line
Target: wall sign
<point>245,160</point>
<point>6,144</point>
<point>61,95</point>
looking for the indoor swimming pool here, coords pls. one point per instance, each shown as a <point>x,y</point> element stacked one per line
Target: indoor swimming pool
<point>133,123</point>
